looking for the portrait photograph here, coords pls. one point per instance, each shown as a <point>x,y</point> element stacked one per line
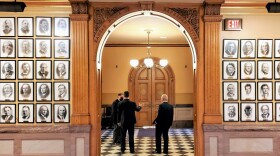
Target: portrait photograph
<point>230,90</point>
<point>277,70</point>
<point>25,91</point>
<point>8,48</point>
<point>43,48</point>
<point>277,111</point>
<point>61,48</point>
<point>265,91</point>
<point>248,48</point>
<point>265,48</point>
<point>265,111</point>
<point>8,70</point>
<point>25,70</point>
<point>25,26</point>
<point>247,70</point>
<point>61,27</point>
<point>265,70</point>
<point>8,113</point>
<point>61,70</point>
<point>61,113</point>
<point>44,26</point>
<point>43,70</point>
<point>248,112</point>
<point>25,48</point>
<point>230,48</point>
<point>230,70</point>
<point>25,113</point>
<point>231,112</point>
<point>277,91</point>
<point>44,91</point>
<point>44,113</point>
<point>61,91</point>
<point>277,48</point>
<point>248,91</point>
<point>7,91</point>
<point>8,27</point>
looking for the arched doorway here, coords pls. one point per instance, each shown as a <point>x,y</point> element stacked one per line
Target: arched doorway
<point>146,86</point>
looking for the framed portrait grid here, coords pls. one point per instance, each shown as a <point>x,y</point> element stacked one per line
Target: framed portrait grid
<point>265,111</point>
<point>230,70</point>
<point>61,70</point>
<point>265,69</point>
<point>265,48</point>
<point>62,48</point>
<point>25,26</point>
<point>231,112</point>
<point>61,26</point>
<point>44,113</point>
<point>247,48</point>
<point>265,90</point>
<point>8,70</point>
<point>8,48</point>
<point>230,91</point>
<point>248,112</point>
<point>43,48</point>
<point>25,69</point>
<point>25,113</point>
<point>277,69</point>
<point>25,48</point>
<point>8,27</point>
<point>277,91</point>
<point>247,70</point>
<point>277,111</point>
<point>44,91</point>
<point>7,91</point>
<point>230,48</point>
<point>61,91</point>
<point>8,113</point>
<point>43,70</point>
<point>248,90</point>
<point>43,26</point>
<point>61,113</point>
<point>25,91</point>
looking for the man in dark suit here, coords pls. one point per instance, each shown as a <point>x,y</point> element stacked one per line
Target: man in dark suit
<point>127,120</point>
<point>163,122</point>
<point>114,119</point>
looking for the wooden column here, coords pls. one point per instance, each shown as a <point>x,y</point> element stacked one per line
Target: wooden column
<point>212,19</point>
<point>80,71</point>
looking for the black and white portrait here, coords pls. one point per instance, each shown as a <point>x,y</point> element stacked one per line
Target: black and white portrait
<point>7,91</point>
<point>230,90</point>
<point>264,90</point>
<point>61,26</point>
<point>25,26</point>
<point>265,48</point>
<point>43,26</point>
<point>25,113</point>
<point>277,48</point>
<point>43,70</point>
<point>248,91</point>
<point>277,69</point>
<point>8,113</point>
<point>25,48</point>
<point>26,91</point>
<point>231,111</point>
<point>265,111</point>
<point>61,70</point>
<point>25,69</point>
<point>61,113</point>
<point>44,91</point>
<point>264,69</point>
<point>277,91</point>
<point>7,26</point>
<point>230,49</point>
<point>277,111</point>
<point>8,70</point>
<point>61,91</point>
<point>43,48</point>
<point>247,70</point>
<point>230,70</point>
<point>248,48</point>
<point>248,112</point>
<point>62,48</point>
<point>8,48</point>
<point>44,113</point>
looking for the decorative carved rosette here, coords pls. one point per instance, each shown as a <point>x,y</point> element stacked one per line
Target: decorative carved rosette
<point>79,7</point>
<point>212,13</point>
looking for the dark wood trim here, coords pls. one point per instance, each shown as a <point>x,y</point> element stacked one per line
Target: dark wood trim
<point>145,45</point>
<point>183,105</point>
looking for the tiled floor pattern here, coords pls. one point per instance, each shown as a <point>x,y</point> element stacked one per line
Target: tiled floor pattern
<point>181,143</point>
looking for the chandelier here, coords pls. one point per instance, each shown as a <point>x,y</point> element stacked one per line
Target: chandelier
<point>148,61</point>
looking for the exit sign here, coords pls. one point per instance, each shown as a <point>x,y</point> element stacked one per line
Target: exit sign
<point>233,24</point>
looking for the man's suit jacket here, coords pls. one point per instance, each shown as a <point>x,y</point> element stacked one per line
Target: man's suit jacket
<point>126,114</point>
<point>165,115</point>
<point>9,119</point>
<point>114,114</point>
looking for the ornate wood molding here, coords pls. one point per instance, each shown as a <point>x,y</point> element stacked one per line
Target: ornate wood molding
<point>79,6</point>
<point>146,5</point>
<point>102,15</point>
<point>79,17</point>
<point>212,9</point>
<point>216,18</point>
<point>190,16</point>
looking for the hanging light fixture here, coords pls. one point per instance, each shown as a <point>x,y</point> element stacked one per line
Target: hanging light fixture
<point>148,61</point>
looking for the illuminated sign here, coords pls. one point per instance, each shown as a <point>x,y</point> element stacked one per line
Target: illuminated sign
<point>233,24</point>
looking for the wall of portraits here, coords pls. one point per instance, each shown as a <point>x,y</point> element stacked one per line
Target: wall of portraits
<point>251,80</point>
<point>35,70</point>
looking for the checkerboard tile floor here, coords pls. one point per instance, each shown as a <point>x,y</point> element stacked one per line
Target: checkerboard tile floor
<point>181,143</point>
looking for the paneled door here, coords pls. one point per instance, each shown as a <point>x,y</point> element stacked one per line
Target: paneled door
<point>148,86</point>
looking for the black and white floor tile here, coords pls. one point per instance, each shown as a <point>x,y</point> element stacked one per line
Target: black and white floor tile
<point>181,143</point>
